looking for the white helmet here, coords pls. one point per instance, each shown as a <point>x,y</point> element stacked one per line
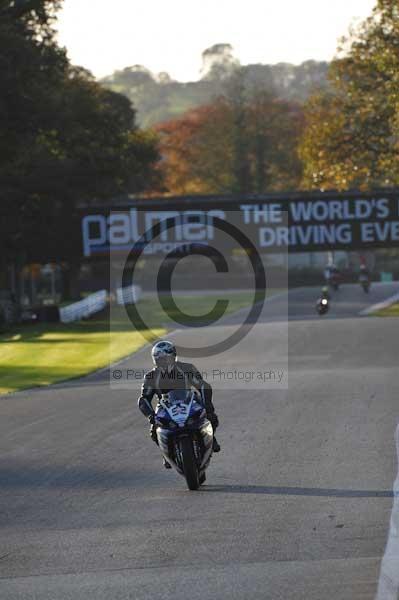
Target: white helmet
<point>164,354</point>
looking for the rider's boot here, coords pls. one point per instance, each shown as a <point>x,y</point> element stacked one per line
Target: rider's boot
<point>166,464</point>
<point>215,445</point>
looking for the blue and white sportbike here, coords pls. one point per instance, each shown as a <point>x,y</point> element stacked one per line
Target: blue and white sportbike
<point>185,436</point>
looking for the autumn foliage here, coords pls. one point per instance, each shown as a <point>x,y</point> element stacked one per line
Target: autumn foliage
<point>345,136</point>
<point>229,146</point>
<point>351,137</point>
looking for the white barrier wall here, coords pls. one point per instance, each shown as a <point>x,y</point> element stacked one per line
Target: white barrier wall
<point>128,295</point>
<point>84,308</point>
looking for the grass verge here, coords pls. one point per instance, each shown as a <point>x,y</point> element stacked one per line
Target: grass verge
<point>390,311</point>
<point>38,355</point>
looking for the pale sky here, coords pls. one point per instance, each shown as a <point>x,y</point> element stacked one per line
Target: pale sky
<point>170,35</point>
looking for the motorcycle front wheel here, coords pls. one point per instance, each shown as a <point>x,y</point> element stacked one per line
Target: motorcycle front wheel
<point>190,468</point>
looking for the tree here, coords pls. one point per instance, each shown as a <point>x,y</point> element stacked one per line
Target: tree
<point>273,131</point>
<point>193,159</point>
<point>218,62</point>
<point>245,141</point>
<point>236,99</point>
<point>351,136</point>
<point>159,99</point>
<point>64,138</point>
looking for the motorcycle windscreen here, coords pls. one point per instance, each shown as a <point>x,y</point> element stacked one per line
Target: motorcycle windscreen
<point>178,396</point>
<point>179,405</point>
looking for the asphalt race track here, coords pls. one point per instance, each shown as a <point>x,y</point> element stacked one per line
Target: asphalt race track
<point>296,506</point>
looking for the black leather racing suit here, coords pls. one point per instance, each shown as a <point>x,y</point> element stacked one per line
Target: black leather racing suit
<point>182,376</point>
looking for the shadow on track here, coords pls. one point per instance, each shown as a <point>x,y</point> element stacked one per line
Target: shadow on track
<point>60,477</point>
<point>297,491</point>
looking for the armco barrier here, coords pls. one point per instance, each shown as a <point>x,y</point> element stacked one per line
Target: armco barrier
<point>84,308</point>
<point>128,295</point>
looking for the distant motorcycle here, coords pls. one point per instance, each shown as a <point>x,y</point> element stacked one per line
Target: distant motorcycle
<point>322,306</point>
<point>332,277</point>
<point>335,281</point>
<point>185,436</point>
<point>365,283</point>
<point>325,293</point>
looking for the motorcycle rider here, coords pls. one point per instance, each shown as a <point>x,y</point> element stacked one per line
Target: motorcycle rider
<point>171,374</point>
<point>322,305</point>
<point>364,273</point>
<point>325,293</point>
<point>332,275</point>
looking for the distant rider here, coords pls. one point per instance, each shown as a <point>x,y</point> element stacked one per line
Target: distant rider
<point>364,273</point>
<point>332,275</point>
<point>171,374</point>
<point>325,293</point>
<point>322,305</point>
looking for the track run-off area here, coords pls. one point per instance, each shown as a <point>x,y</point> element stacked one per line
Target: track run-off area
<point>298,505</point>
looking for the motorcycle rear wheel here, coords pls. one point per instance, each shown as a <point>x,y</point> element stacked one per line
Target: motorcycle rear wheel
<point>190,468</point>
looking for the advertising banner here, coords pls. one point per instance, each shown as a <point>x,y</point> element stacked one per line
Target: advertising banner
<point>298,223</point>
